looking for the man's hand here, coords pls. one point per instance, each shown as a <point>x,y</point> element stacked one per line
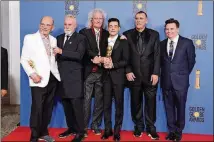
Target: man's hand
<point>36,78</point>
<point>3,92</point>
<point>154,79</point>
<point>57,50</point>
<point>123,37</point>
<point>130,76</point>
<point>108,63</point>
<point>96,60</point>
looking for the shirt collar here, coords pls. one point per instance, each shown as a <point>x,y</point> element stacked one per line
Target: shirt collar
<point>96,31</point>
<point>68,35</point>
<point>113,39</point>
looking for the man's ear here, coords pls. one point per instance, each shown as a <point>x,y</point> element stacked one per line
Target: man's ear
<point>52,28</point>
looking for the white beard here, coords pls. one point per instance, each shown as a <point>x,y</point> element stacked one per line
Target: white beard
<point>68,32</point>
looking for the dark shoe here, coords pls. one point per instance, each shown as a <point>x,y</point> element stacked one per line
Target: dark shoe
<point>178,136</point>
<point>153,135</point>
<point>96,131</point>
<point>67,133</point>
<point>170,136</point>
<point>78,138</point>
<point>47,138</point>
<point>116,137</point>
<point>137,132</point>
<point>34,140</point>
<point>106,135</point>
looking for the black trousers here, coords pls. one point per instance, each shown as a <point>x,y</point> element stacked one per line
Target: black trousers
<point>149,115</point>
<point>73,109</point>
<point>41,108</point>
<point>93,83</point>
<point>175,104</point>
<point>117,91</point>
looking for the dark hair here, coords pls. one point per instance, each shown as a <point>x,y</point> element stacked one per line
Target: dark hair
<point>114,20</point>
<point>141,12</point>
<point>172,20</point>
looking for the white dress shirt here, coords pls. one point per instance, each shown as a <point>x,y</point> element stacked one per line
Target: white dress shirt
<point>111,41</point>
<point>66,37</point>
<point>175,42</point>
<point>97,38</point>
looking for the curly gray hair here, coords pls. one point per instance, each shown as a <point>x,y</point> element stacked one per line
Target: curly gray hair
<point>90,16</point>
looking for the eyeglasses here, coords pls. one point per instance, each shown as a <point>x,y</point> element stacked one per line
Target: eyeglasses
<point>97,18</point>
<point>47,25</point>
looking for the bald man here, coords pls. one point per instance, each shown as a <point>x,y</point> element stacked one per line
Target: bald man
<point>69,52</point>
<point>41,68</point>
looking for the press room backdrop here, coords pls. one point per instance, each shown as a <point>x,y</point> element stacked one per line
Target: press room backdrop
<point>196,24</point>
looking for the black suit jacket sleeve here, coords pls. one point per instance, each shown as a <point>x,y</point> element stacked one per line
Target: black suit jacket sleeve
<point>75,55</point>
<point>125,57</point>
<point>89,51</point>
<point>156,70</point>
<point>130,43</point>
<point>4,69</point>
<point>191,56</point>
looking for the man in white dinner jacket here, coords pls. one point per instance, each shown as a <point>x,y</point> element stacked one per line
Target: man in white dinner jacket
<point>41,67</point>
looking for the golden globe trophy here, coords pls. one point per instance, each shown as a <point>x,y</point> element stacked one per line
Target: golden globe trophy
<point>108,55</point>
<point>109,51</point>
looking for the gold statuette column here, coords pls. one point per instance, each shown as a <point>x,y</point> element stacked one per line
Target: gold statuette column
<point>200,8</point>
<point>197,79</point>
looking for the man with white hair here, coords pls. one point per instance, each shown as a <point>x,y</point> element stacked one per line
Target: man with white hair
<point>96,40</point>
<point>69,53</point>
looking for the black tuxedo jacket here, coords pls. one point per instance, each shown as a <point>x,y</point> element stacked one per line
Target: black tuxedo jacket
<point>120,57</point>
<point>147,63</point>
<point>70,64</point>
<point>175,72</point>
<point>92,49</point>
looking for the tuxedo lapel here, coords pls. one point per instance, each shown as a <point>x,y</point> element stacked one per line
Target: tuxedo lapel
<point>40,44</point>
<point>117,42</point>
<point>165,49</point>
<point>134,40</point>
<point>178,47</point>
<point>61,41</point>
<point>92,38</point>
<point>68,42</point>
<point>146,39</point>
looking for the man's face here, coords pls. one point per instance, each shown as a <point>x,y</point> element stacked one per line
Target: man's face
<point>171,30</point>
<point>113,28</point>
<point>140,21</point>
<point>46,26</point>
<point>69,25</point>
<point>97,20</point>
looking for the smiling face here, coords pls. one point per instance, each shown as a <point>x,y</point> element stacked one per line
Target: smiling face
<point>113,28</point>
<point>171,30</point>
<point>46,25</point>
<point>97,20</point>
<point>69,25</point>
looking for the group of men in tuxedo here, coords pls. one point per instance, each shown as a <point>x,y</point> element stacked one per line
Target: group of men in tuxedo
<point>81,64</point>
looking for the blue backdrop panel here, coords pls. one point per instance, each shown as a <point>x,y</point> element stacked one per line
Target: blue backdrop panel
<point>200,101</point>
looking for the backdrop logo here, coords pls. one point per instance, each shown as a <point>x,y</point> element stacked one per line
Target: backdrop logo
<point>200,41</point>
<point>72,7</point>
<point>139,5</point>
<point>196,114</point>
